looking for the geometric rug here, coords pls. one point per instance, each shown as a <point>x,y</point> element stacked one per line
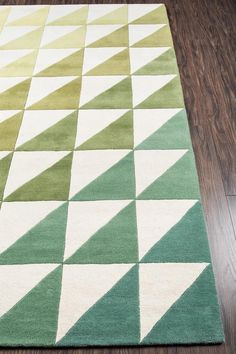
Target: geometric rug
<point>102,235</point>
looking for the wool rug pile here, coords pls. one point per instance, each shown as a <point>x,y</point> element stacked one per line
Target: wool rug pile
<point>102,236</point>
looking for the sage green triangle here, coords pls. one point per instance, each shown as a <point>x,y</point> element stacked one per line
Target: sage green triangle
<point>118,38</point>
<point>77,17</point>
<point>160,38</point>
<point>21,67</point>
<point>37,18</point>
<point>117,182</point>
<point>74,39</point>
<point>28,41</point>
<point>44,243</point>
<point>119,64</point>
<point>4,12</point>
<point>194,318</point>
<point>51,184</point>
<point>118,135</point>
<point>169,96</point>
<point>60,136</point>
<point>158,15</point>
<point>19,92</point>
<point>117,16</point>
<point>113,320</point>
<point>120,237</point>
<point>185,242</point>
<point>179,182</point>
<point>9,130</point>
<point>33,320</point>
<point>4,169</point>
<point>118,96</point>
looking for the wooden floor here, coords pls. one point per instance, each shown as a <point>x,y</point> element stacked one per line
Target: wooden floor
<point>204,34</point>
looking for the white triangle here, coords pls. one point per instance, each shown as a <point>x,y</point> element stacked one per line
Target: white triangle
<point>9,33</point>
<point>139,32</point>
<point>4,154</point>
<point>17,280</point>
<point>142,56</point>
<point>16,218</point>
<point>52,33</point>
<point>98,11</point>
<point>79,230</point>
<point>35,122</point>
<point>149,84</point>
<point>92,86</point>
<point>92,121</point>
<point>161,285</point>
<point>10,56</point>
<point>147,121</point>
<point>90,164</point>
<point>8,82</point>
<point>18,12</point>
<point>95,56</point>
<point>59,11</point>
<point>96,32</point>
<point>27,165</point>
<point>82,287</point>
<point>5,114</point>
<point>155,218</point>
<point>135,10</point>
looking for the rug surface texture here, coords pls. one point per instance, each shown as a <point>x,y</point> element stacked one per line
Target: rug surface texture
<point>102,235</point>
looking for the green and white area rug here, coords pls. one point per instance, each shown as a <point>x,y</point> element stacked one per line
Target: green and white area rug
<point>102,236</point>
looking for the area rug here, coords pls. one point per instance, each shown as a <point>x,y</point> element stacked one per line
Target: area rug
<point>102,235</point>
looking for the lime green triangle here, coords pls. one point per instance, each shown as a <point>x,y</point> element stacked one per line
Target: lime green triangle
<point>118,16</point>
<point>66,97</point>
<point>33,320</point>
<point>9,130</point>
<point>116,183</point>
<point>19,92</point>
<point>37,18</point>
<point>44,243</point>
<point>60,136</point>
<point>78,17</point>
<point>74,39</point>
<point>160,38</point>
<point>118,38</point>
<point>4,12</point>
<point>117,65</point>
<point>169,96</point>
<point>120,237</point>
<point>21,67</point>
<point>118,96</point>
<point>52,184</point>
<point>28,41</point>
<point>4,168</point>
<point>158,15</point>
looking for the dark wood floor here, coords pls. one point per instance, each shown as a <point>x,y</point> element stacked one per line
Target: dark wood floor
<point>204,33</point>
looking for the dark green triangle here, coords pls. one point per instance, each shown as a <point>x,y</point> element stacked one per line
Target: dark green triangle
<point>9,130</point>
<point>33,320</point>
<point>158,15</point>
<point>44,243</point>
<point>118,135</point>
<point>194,318</point>
<point>118,38</point>
<point>116,183</point>
<point>114,319</point>
<point>52,184</point>
<point>160,38</point>
<point>120,237</point>
<point>4,169</point>
<point>19,92</point>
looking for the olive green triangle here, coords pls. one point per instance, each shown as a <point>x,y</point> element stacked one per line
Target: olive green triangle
<point>117,65</point>
<point>169,96</point>
<point>44,243</point>
<point>66,97</point>
<point>21,67</point>
<point>158,15</point>
<point>19,92</point>
<point>118,135</point>
<point>4,169</point>
<point>118,96</point>
<point>33,320</point>
<point>78,17</point>
<point>118,182</point>
<point>118,16</point>
<point>37,18</point>
<point>51,184</point>
<point>120,237</point>
<point>9,130</point>
<point>60,136</point>
<point>28,41</point>
<point>160,38</point>
<point>4,12</point>
<point>74,39</point>
<point>118,38</point>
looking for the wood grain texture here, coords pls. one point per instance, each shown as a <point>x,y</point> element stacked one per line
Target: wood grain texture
<point>204,34</point>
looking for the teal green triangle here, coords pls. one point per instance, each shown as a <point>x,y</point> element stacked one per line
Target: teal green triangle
<point>114,319</point>
<point>179,182</point>
<point>4,168</point>
<point>44,243</point>
<point>193,319</point>
<point>116,183</point>
<point>33,320</point>
<point>120,238</point>
<point>166,136</point>
<point>185,242</point>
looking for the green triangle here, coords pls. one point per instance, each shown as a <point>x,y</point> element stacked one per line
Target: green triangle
<point>33,320</point>
<point>114,319</point>
<point>37,18</point>
<point>9,130</point>
<point>60,136</point>
<point>118,38</point>
<point>4,168</point>
<point>52,184</point>
<point>116,183</point>
<point>158,15</point>
<point>28,41</point>
<point>160,38</point>
<point>120,237</point>
<point>179,182</point>
<point>169,96</point>
<point>185,242</point>
<point>193,319</point>
<point>19,92</point>
<point>44,243</point>
<point>78,17</point>
<point>21,67</point>
<point>118,135</point>
<point>166,136</point>
<point>4,12</point>
<point>117,65</point>
<point>118,16</point>
<point>118,96</point>
<point>74,39</point>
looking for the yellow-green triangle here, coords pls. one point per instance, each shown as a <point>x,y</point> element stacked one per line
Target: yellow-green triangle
<point>118,38</point>
<point>4,169</point>
<point>158,15</point>
<point>4,12</point>
<point>118,16</point>
<point>37,18</point>
<point>9,130</point>
<point>117,65</point>
<point>21,67</point>
<point>18,92</point>
<point>78,17</point>
<point>28,41</point>
<point>160,38</point>
<point>74,39</point>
